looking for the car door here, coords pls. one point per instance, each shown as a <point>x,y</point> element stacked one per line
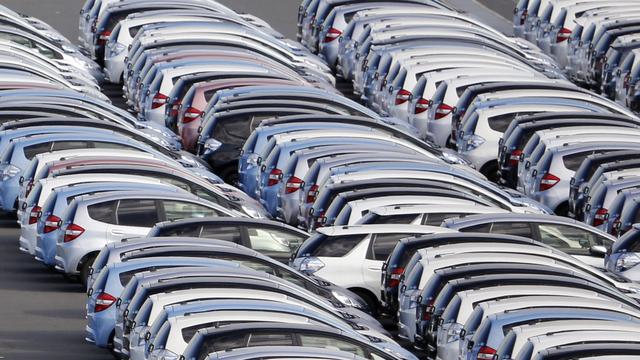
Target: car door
<point>380,246</point>
<point>574,241</point>
<point>134,218</point>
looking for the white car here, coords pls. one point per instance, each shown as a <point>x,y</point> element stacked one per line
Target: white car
<point>352,256</point>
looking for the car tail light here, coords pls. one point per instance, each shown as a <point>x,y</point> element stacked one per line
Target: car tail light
<point>402,96</point>
<point>428,310</point>
<point>103,302</point>
<point>331,35</point>
<point>442,111</point>
<point>191,114</point>
<point>514,158</point>
<point>320,220</point>
<point>274,177</point>
<point>602,215</point>
<point>422,105</point>
<point>175,108</point>
<point>103,37</point>
<point>563,35</point>
<point>486,353</point>
<point>159,100</point>
<point>293,185</point>
<point>72,232</point>
<point>311,194</point>
<point>615,228</point>
<point>395,277</point>
<point>548,181</point>
<point>34,215</point>
<point>523,17</point>
<point>51,223</point>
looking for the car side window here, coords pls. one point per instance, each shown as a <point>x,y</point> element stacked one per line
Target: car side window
<point>333,343</point>
<point>176,210</point>
<point>104,212</point>
<point>273,240</point>
<point>382,245</point>
<point>337,246</point>
<point>222,232</point>
<point>435,219</point>
<point>110,145</point>
<point>137,212</point>
<point>33,150</point>
<point>483,228</point>
<point>69,145</point>
<point>507,228</point>
<point>568,237</point>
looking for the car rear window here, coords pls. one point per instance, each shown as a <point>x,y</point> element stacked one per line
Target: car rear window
<point>337,246</point>
<point>33,150</point>
<point>573,161</point>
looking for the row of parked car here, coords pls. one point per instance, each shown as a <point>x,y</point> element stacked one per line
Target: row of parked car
<point>179,264</point>
<point>504,283</point>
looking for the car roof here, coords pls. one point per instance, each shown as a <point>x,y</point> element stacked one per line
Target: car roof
<point>379,229</point>
<point>228,221</point>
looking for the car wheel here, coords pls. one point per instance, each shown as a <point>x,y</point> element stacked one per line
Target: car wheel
<point>230,176</point>
<point>490,170</point>
<point>370,300</point>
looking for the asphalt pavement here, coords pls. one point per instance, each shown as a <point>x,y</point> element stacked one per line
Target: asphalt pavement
<point>41,313</point>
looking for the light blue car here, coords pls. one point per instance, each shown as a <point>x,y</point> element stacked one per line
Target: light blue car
<point>55,205</point>
<point>19,153</point>
<point>101,315</point>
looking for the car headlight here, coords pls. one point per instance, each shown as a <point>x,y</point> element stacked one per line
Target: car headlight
<point>10,171</point>
<point>349,300</point>
<point>627,261</point>
<point>453,158</point>
<point>310,265</point>
<point>474,141</point>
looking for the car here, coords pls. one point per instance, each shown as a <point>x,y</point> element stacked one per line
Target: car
<point>591,170</point>
<point>222,194</point>
<point>399,259</point>
<point>432,215</point>
<point>518,335</point>
<point>110,282</point>
<point>558,164</point>
<point>121,215</point>
<point>485,340</point>
<point>336,296</point>
<point>600,198</point>
<point>212,339</point>
<point>601,350</point>
<point>523,127</point>
<point>624,258</point>
<point>329,253</point>
<point>22,150</point>
<point>284,352</point>
<point>271,238</point>
<point>538,344</point>
<point>461,306</point>
<point>43,233</point>
<point>570,236</point>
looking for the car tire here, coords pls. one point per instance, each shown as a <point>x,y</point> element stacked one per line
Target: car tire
<point>370,300</point>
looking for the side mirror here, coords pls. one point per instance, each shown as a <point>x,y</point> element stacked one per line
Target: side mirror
<point>598,250</point>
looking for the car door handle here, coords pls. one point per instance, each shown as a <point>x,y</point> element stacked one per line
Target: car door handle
<point>375,268</point>
<point>117,232</point>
